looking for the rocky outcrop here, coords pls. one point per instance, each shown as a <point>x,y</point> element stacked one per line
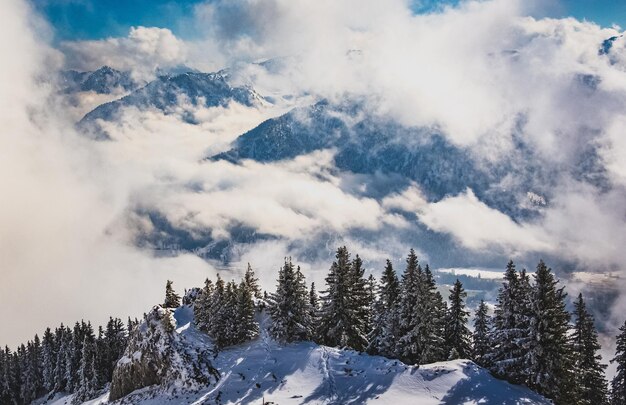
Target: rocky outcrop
<point>158,356</point>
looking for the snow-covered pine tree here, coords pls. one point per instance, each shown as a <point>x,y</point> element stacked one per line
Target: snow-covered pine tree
<point>409,343</point>
<point>341,322</point>
<point>432,314</point>
<point>62,336</point>
<point>247,327</point>
<point>458,336</point>
<point>385,323</point>
<point>359,303</point>
<point>218,318</point>
<point>32,378</point>
<point>228,315</point>
<point>548,359</point>
<point>506,356</point>
<point>480,336</point>
<point>49,358</point>
<point>289,307</point>
<point>5,393</point>
<point>172,300</point>
<point>252,282</point>
<point>13,377</point>
<point>314,304</point>
<point>87,386</point>
<point>115,340</point>
<point>73,357</point>
<point>618,384</point>
<point>371,288</point>
<point>590,384</point>
<point>202,306</point>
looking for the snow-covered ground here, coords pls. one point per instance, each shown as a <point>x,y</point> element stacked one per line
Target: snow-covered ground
<point>306,373</point>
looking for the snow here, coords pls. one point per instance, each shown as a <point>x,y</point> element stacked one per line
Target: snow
<point>307,373</point>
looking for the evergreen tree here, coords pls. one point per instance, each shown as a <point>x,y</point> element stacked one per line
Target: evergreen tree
<point>341,315</point>
<point>506,356</point>
<point>385,325</point>
<point>359,306</point>
<point>114,343</point>
<point>549,357</point>
<point>251,282</point>
<point>432,317</point>
<point>458,336</point>
<point>63,336</point>
<point>202,306</point>
<point>6,395</point>
<point>247,327</point>
<point>228,314</point>
<point>370,304</point>
<point>172,300</point>
<point>49,358</point>
<point>314,304</point>
<point>480,336</point>
<point>88,380</point>
<point>218,319</point>
<point>290,307</point>
<point>618,384</point>
<point>590,384</point>
<point>73,357</point>
<point>409,343</point>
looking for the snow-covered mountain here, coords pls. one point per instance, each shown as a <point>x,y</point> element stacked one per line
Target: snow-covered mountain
<point>178,93</point>
<point>264,371</point>
<point>105,80</point>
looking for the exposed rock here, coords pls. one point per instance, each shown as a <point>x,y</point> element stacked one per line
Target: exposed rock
<point>158,356</point>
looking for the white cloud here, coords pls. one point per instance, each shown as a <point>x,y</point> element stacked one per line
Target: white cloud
<point>144,50</point>
<point>478,73</point>
<point>478,226</point>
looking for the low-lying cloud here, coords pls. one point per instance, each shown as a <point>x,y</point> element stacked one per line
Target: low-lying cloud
<point>483,74</point>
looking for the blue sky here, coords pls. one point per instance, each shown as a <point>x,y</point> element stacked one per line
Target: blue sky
<point>93,19</point>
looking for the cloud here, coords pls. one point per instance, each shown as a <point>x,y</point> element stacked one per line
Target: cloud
<point>59,261</point>
<point>477,226</point>
<point>482,74</point>
<point>143,51</point>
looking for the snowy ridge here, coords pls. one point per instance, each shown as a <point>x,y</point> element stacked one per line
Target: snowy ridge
<point>307,373</point>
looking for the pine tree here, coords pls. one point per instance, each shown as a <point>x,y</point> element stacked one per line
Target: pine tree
<point>458,336</point>
<point>590,384</point>
<point>172,300</point>
<point>480,336</point>
<point>114,343</point>
<point>5,390</point>
<point>549,357</point>
<point>202,306</point>
<point>73,357</point>
<point>63,336</point>
<point>228,315</point>
<point>342,314</point>
<point>88,380</point>
<point>314,304</point>
<point>247,327</point>
<point>409,343</point>
<point>506,356</point>
<point>432,317</point>
<point>49,358</point>
<point>289,307</point>
<point>618,384</point>
<point>218,319</point>
<point>359,306</point>
<point>370,304</point>
<point>252,282</point>
<point>385,325</point>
